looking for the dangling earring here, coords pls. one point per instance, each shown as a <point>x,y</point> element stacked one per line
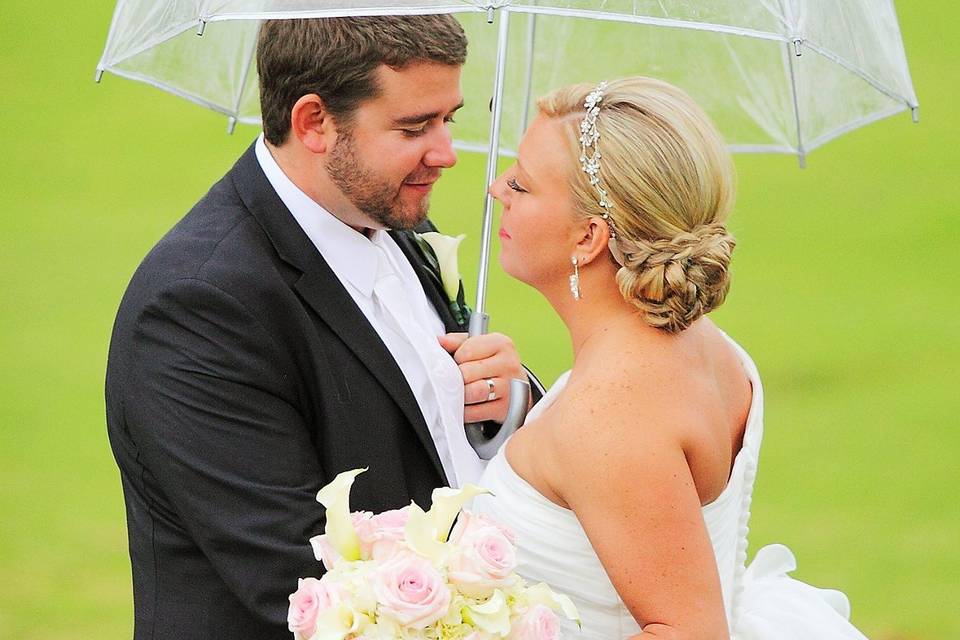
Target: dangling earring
<point>575,279</point>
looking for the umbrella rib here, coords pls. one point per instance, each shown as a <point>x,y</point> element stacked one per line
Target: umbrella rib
<point>650,20</point>
<point>169,34</point>
<point>243,81</point>
<point>761,148</point>
<point>111,36</point>
<point>528,86</point>
<point>850,126</point>
<point>344,13</point>
<point>203,102</point>
<point>173,32</point>
<point>863,75</point>
<point>801,153</point>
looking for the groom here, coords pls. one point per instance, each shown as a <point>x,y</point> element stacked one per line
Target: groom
<point>280,334</point>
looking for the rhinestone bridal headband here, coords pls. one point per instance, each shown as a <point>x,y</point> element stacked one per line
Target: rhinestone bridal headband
<point>590,159</point>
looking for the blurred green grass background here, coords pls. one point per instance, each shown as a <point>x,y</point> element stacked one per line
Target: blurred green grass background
<point>845,286</point>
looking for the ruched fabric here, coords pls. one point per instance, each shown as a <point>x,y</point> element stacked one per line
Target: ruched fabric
<point>774,605</point>
<point>762,601</point>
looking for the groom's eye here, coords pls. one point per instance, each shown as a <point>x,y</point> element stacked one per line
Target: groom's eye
<point>414,133</point>
<point>512,183</point>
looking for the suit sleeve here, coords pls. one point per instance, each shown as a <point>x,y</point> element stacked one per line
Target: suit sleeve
<point>210,405</point>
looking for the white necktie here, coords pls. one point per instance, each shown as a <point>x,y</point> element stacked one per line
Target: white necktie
<point>440,394</point>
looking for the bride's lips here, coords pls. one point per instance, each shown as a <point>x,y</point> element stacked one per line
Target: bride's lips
<point>503,234</point>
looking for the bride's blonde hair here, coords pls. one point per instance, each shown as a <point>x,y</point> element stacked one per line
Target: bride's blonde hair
<point>670,179</point>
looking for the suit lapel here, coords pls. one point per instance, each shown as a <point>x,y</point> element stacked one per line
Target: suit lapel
<point>435,294</point>
<point>320,288</point>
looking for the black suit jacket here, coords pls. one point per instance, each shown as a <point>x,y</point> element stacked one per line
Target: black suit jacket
<point>241,378</point>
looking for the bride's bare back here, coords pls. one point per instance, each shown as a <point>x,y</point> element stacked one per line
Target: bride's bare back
<point>643,435</point>
<point>690,389</point>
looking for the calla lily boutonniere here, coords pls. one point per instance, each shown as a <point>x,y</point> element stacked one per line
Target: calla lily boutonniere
<point>440,252</point>
<point>445,249</point>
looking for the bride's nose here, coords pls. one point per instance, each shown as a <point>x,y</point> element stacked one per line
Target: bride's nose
<point>498,189</point>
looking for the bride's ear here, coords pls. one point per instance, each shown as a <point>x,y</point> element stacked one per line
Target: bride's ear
<point>594,241</point>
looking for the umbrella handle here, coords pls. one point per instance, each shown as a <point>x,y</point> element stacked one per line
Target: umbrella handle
<point>485,447</point>
<point>517,405</point>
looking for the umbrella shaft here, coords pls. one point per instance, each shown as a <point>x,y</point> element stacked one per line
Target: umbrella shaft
<point>492,153</point>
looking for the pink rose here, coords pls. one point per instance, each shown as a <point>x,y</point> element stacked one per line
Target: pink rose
<point>411,591</point>
<point>381,534</point>
<point>311,598</point>
<point>484,557</point>
<point>468,521</point>
<point>537,623</point>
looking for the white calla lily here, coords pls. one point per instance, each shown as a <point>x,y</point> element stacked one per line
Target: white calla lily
<point>447,503</point>
<point>540,593</point>
<point>492,616</point>
<point>445,247</point>
<point>336,498</point>
<point>337,622</point>
<point>422,538</point>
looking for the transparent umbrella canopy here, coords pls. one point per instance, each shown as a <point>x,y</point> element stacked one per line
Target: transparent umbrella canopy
<point>776,76</point>
<point>781,76</point>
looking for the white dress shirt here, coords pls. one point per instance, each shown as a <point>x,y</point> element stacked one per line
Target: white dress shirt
<point>383,284</point>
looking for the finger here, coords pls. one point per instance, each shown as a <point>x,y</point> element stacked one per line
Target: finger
<point>485,346</point>
<point>485,390</point>
<point>452,341</point>
<point>502,365</point>
<point>478,370</point>
<point>483,411</point>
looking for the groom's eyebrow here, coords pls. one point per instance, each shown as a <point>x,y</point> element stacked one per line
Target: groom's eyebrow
<point>424,117</point>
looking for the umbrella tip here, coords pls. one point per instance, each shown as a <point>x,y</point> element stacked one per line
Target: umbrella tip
<point>490,11</point>
<point>802,158</point>
<point>231,125</point>
<point>98,76</point>
<point>201,26</point>
<point>915,113</point>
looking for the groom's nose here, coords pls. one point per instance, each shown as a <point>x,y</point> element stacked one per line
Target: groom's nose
<point>441,153</point>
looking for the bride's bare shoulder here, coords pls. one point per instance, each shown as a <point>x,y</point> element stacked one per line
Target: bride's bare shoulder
<point>642,394</point>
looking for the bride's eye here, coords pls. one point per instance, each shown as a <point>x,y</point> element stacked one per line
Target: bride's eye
<point>512,183</point>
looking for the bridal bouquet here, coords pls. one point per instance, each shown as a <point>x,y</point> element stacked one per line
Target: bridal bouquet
<point>403,574</point>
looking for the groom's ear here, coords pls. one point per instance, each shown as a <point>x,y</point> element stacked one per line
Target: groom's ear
<point>312,124</point>
<point>593,242</point>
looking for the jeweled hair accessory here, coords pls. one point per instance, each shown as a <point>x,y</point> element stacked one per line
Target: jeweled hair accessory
<point>590,161</point>
<point>590,149</point>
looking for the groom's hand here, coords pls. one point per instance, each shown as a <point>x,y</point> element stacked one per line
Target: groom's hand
<point>492,357</point>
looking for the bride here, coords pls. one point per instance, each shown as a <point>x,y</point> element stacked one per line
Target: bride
<point>630,483</point>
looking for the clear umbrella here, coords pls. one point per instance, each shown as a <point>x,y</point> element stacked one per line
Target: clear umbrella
<point>781,76</point>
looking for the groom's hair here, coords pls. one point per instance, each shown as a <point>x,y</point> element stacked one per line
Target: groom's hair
<point>335,58</point>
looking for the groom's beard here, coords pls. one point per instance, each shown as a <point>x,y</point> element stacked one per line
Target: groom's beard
<point>374,195</point>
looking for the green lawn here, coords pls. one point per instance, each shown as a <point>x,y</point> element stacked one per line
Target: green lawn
<point>845,285</point>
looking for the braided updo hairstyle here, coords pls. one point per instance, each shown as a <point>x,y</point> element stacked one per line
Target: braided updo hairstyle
<point>670,179</point>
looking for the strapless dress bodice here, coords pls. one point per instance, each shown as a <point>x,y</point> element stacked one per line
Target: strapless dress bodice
<point>553,548</point>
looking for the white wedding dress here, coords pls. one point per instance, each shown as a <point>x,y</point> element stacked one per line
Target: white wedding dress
<point>762,602</point>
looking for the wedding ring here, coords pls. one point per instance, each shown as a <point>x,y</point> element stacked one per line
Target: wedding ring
<point>491,395</point>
